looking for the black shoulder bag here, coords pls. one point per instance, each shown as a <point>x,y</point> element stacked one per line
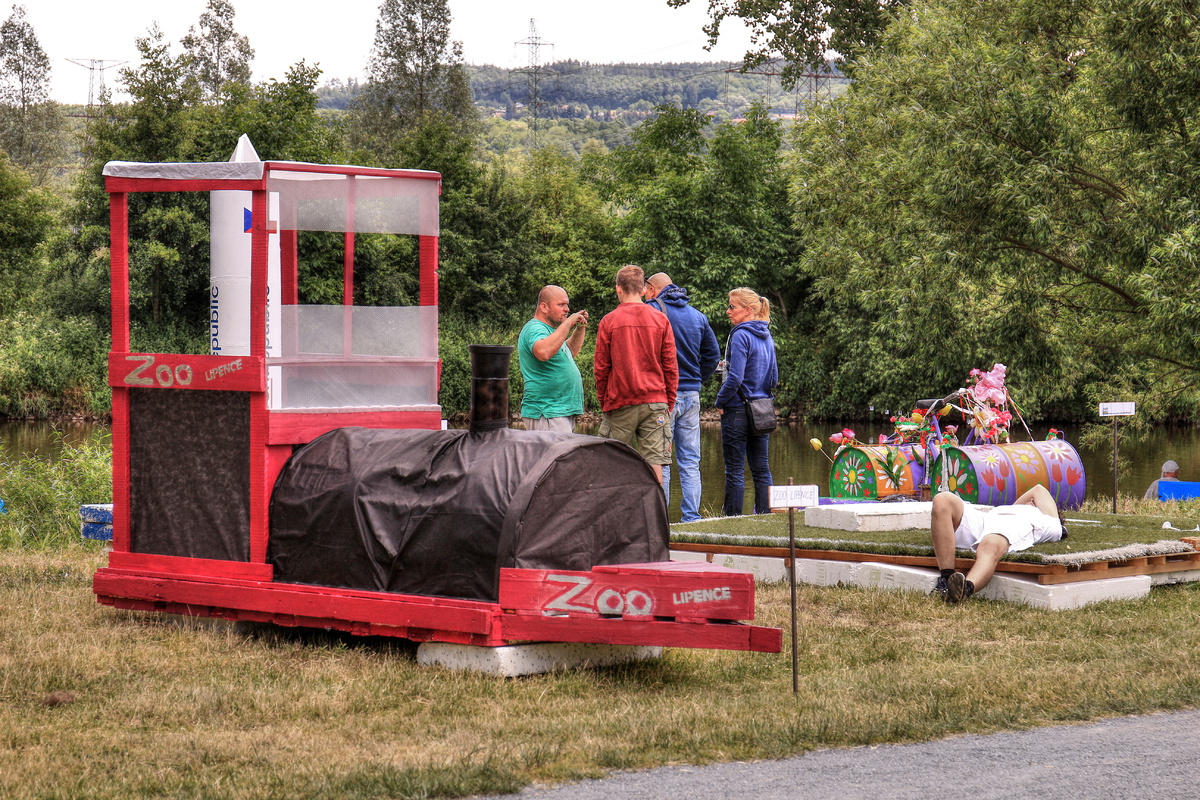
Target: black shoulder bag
<point>762,413</point>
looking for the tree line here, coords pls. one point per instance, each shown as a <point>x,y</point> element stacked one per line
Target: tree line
<point>1012,184</point>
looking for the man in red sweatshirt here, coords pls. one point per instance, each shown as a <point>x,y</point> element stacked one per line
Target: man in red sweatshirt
<point>636,372</point>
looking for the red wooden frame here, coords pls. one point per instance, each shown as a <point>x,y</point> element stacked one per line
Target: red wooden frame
<point>533,605</point>
<point>682,605</point>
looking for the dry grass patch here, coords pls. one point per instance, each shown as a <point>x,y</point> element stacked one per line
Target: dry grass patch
<point>171,709</point>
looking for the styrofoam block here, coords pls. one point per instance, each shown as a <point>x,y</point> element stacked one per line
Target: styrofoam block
<point>1061,596</point>
<point>895,576</point>
<point>96,531</point>
<point>1166,578</point>
<point>765,569</point>
<point>821,572</point>
<point>511,661</point>
<point>688,555</point>
<point>870,516</point>
<point>97,512</point>
<point>1010,588</point>
<point>96,521</point>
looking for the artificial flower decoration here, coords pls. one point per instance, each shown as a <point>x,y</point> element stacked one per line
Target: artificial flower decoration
<point>990,386</point>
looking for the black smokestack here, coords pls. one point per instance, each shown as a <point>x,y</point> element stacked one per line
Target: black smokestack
<point>489,386</point>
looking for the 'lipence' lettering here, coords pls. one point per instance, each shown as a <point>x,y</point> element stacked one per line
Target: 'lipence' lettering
<point>223,370</point>
<point>714,595</point>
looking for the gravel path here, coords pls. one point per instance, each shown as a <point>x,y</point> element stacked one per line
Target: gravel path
<point>1154,756</point>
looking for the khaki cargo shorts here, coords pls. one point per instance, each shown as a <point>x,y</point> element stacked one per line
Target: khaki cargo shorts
<point>645,427</point>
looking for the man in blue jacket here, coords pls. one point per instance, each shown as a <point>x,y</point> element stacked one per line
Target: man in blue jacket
<point>698,353</point>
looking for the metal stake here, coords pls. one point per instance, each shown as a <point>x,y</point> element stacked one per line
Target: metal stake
<point>792,573</point>
<point>1114,465</point>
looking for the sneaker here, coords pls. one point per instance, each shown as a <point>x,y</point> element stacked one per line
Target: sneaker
<point>956,588</point>
<point>939,588</point>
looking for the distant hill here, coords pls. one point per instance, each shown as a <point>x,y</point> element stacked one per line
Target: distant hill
<point>606,92</point>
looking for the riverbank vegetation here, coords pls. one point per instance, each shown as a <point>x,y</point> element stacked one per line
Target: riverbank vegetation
<point>1016,184</point>
<point>42,494</point>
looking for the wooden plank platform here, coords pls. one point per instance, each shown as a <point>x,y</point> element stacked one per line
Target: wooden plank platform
<point>664,604</point>
<point>1045,573</point>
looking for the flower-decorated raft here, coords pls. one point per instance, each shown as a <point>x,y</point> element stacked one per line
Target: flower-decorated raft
<point>923,456</point>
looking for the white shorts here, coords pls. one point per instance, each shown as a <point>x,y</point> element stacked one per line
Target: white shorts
<point>1023,526</point>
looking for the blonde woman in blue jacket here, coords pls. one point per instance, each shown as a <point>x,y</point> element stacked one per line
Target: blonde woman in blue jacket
<point>749,365</point>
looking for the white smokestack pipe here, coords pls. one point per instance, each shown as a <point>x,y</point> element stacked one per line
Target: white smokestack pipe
<point>229,272</point>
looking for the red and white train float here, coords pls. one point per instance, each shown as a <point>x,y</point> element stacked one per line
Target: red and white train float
<point>299,473</point>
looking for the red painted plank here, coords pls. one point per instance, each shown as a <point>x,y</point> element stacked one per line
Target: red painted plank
<point>179,371</point>
<point>118,259</point>
<point>301,427</point>
<point>725,595</point>
<point>178,565</point>
<point>289,290</point>
<point>313,589</point>
<point>292,621</point>
<point>729,636</point>
<point>121,481</point>
<point>115,184</point>
<point>259,238</point>
<point>423,620</point>
<point>394,610</point>
<point>428,256</point>
<point>260,483</point>
<point>765,640</point>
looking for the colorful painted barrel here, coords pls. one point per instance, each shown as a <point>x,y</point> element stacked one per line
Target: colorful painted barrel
<point>997,474</point>
<point>873,472</point>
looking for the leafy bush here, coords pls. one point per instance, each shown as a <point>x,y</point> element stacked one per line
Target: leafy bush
<point>457,334</point>
<point>52,366</point>
<point>43,494</point>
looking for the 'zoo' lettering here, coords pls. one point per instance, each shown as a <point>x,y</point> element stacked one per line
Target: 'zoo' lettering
<point>610,601</point>
<point>562,602</point>
<point>164,375</point>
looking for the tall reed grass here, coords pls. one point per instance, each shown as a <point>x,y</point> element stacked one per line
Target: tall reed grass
<point>42,494</point>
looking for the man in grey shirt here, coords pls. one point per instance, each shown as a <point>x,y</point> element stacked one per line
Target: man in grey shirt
<point>1170,472</point>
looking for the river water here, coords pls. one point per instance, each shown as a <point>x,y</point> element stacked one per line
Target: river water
<point>791,455</point>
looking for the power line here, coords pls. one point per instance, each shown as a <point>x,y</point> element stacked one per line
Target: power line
<point>96,68</point>
<point>534,72</point>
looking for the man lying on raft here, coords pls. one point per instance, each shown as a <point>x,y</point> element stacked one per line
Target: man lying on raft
<point>1034,518</point>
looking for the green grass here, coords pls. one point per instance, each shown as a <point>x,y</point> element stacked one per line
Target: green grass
<point>189,710</point>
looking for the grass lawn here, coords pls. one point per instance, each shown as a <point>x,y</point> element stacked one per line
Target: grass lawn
<point>1142,524</point>
<point>101,703</point>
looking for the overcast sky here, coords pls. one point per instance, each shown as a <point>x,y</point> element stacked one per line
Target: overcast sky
<point>338,35</point>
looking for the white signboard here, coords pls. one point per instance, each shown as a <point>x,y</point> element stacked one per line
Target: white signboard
<point>1117,409</point>
<point>795,496</point>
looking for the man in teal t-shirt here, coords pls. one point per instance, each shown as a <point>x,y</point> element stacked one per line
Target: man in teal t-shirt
<point>547,348</point>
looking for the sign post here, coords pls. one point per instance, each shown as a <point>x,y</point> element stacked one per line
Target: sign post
<point>792,497</point>
<point>1115,410</point>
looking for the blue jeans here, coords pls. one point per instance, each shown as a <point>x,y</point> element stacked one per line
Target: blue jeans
<point>685,428</point>
<point>740,444</point>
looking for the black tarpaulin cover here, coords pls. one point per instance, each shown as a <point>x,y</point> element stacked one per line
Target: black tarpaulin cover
<point>440,512</point>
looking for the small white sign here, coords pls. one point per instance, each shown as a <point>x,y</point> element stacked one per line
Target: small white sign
<point>795,496</point>
<point>1117,409</point>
